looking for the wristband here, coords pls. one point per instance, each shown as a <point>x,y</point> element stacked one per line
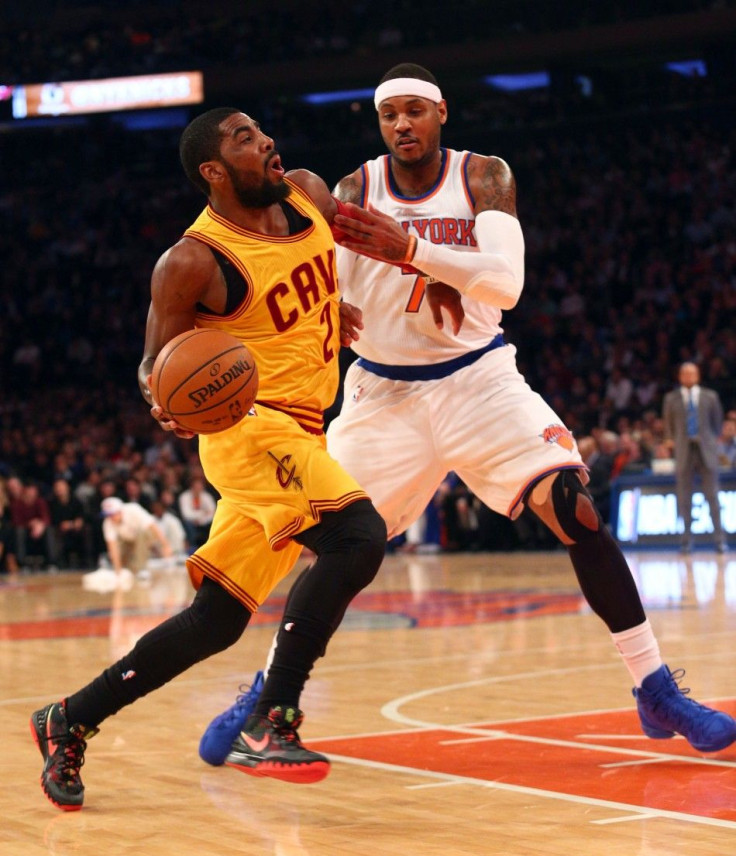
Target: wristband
<point>411,248</point>
<point>342,208</point>
<point>337,232</point>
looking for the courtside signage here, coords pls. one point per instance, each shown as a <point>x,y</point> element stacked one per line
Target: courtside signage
<point>107,95</point>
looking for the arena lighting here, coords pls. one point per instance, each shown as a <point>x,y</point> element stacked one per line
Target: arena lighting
<point>338,95</point>
<point>146,120</point>
<point>107,95</point>
<point>688,67</point>
<point>518,82</point>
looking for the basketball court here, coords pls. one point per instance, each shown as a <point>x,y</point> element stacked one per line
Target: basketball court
<point>470,703</point>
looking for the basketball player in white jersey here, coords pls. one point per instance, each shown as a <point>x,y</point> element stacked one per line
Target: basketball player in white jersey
<point>430,229</point>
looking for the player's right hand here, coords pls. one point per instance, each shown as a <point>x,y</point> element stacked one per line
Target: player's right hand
<point>351,320</point>
<point>168,424</point>
<point>165,421</point>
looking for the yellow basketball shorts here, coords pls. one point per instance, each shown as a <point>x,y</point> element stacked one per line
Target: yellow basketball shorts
<point>275,480</point>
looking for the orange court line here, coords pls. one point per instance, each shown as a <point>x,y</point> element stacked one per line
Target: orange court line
<point>561,755</point>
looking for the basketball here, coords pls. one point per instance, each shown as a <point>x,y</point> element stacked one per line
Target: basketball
<point>205,379</point>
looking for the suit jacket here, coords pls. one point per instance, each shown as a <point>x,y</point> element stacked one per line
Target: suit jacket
<point>710,422</point>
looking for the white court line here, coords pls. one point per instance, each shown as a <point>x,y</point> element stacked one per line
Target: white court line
<point>646,813</point>
<point>624,819</point>
<point>638,763</point>
<point>492,735</point>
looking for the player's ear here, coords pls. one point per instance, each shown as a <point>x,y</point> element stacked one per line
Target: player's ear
<point>211,171</point>
<point>442,111</point>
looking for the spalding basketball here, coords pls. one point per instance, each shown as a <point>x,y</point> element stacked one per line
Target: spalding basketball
<point>207,380</point>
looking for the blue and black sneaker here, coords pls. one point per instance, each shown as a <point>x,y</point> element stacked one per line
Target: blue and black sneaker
<point>220,734</point>
<point>665,710</point>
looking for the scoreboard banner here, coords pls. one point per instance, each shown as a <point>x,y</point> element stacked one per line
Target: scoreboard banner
<point>107,95</point>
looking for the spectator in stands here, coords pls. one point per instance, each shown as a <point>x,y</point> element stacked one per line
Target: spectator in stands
<point>598,455</point>
<point>7,551</point>
<point>619,392</point>
<point>459,516</point>
<point>70,537</point>
<point>171,526</point>
<point>634,456</point>
<point>727,445</point>
<point>197,508</point>
<point>133,492</point>
<point>29,514</point>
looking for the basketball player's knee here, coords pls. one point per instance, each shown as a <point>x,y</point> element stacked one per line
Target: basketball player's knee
<point>366,539</point>
<point>226,632</point>
<point>218,617</point>
<point>574,508</point>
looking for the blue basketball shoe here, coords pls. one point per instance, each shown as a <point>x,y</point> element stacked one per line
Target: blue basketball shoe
<point>665,710</point>
<point>220,734</point>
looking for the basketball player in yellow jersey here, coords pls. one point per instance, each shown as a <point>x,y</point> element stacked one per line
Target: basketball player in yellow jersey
<point>259,262</point>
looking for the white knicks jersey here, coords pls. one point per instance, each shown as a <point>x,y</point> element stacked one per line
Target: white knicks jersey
<point>398,325</point>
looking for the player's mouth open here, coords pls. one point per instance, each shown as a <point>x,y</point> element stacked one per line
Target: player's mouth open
<point>275,165</point>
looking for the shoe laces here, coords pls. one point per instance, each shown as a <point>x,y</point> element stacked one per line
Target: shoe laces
<point>665,692</point>
<point>69,757</point>
<point>286,730</point>
<point>245,693</point>
<point>233,714</point>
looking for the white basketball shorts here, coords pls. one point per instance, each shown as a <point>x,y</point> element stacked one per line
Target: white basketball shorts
<point>399,439</point>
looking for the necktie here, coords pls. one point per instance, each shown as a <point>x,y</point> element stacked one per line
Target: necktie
<point>692,416</point>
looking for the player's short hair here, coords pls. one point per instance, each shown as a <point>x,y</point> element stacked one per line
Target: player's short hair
<point>200,142</point>
<point>409,69</point>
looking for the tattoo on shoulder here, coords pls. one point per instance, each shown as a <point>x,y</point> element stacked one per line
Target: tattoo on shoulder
<point>497,191</point>
<point>349,189</point>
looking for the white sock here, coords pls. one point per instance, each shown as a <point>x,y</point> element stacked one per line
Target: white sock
<point>640,651</point>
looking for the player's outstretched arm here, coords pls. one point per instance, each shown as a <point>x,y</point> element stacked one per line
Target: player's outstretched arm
<point>494,275</point>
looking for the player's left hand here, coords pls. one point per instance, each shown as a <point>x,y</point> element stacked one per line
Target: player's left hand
<point>351,320</point>
<point>442,296</point>
<point>372,233</point>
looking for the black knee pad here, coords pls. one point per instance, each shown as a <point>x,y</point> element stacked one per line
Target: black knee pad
<point>356,531</point>
<point>570,498</point>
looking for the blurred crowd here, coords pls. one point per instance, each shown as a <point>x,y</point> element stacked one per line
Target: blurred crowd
<point>104,38</point>
<point>630,229</point>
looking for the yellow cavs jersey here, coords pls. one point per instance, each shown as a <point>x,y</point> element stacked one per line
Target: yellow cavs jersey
<point>289,314</point>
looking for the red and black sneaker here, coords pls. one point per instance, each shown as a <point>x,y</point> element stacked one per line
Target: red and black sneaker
<point>62,747</point>
<point>270,746</point>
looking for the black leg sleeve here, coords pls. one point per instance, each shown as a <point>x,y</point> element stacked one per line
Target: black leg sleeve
<point>350,545</point>
<point>606,580</point>
<point>214,621</point>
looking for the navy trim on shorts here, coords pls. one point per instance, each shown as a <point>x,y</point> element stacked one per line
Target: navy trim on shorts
<point>433,371</point>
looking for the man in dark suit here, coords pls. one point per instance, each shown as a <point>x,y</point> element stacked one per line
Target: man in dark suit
<point>693,417</point>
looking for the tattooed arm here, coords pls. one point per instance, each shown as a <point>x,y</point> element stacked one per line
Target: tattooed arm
<point>492,184</point>
<point>350,188</point>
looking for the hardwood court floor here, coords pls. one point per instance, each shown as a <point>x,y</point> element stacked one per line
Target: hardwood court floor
<point>470,704</point>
